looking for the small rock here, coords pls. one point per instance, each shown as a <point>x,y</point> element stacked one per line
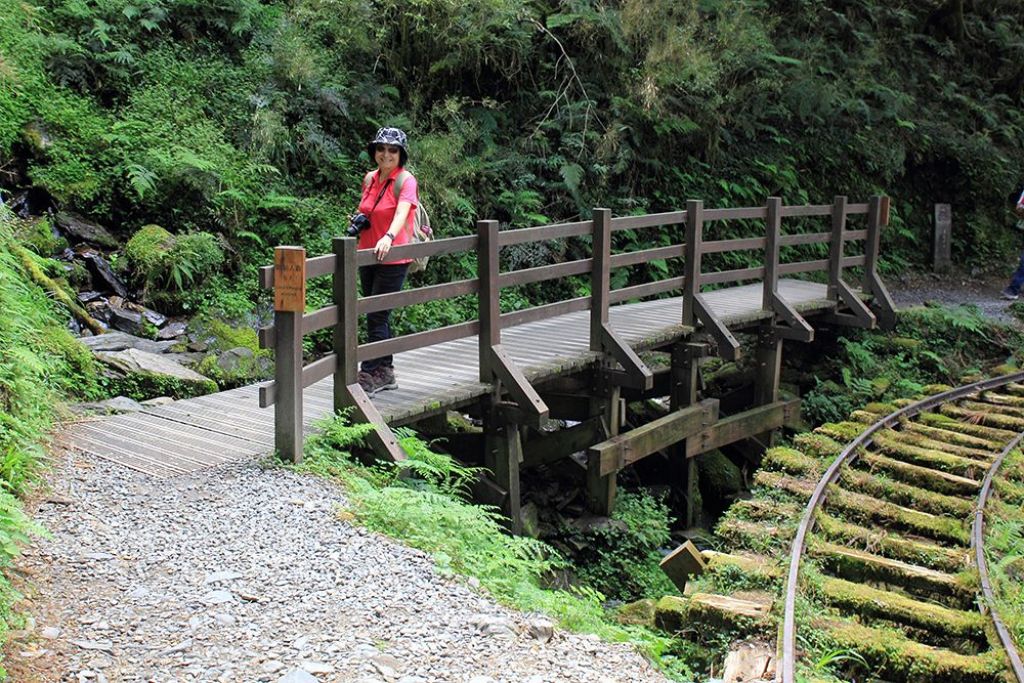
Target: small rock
<point>316,667</point>
<point>541,629</point>
<point>101,645</point>
<point>482,679</point>
<point>272,666</point>
<point>297,676</point>
<point>225,619</point>
<point>218,597</point>
<point>172,330</point>
<point>99,557</point>
<point>158,401</point>
<point>50,632</point>
<point>218,577</point>
<point>386,665</point>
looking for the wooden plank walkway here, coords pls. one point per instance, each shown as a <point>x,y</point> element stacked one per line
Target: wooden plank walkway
<point>190,435</point>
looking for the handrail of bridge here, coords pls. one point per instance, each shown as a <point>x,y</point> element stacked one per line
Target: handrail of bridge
<point>289,327</point>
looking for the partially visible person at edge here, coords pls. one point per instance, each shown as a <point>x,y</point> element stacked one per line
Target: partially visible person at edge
<point>1012,292</point>
<point>391,224</point>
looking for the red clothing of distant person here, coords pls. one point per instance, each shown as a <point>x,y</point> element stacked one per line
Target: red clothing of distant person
<point>381,216</point>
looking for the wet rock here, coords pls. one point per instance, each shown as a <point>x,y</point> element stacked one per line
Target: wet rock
<point>125,320</point>
<point>119,341</point>
<point>83,230</point>
<point>87,297</point>
<point>172,330</point>
<point>102,272</point>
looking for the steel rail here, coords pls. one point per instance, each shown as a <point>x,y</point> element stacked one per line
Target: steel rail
<point>787,672</point>
<point>978,541</point>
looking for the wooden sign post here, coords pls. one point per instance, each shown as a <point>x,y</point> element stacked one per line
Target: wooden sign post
<point>941,259</point>
<point>289,306</point>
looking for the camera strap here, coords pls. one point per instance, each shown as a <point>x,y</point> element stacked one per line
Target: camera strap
<point>381,195</point>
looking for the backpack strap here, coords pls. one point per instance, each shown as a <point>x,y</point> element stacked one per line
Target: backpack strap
<point>399,181</point>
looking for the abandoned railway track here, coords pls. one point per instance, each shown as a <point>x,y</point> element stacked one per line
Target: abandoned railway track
<point>893,529</point>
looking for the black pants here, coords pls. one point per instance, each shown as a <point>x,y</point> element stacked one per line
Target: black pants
<point>380,279</point>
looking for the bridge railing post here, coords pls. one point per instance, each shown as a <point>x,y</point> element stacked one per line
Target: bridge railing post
<point>692,255</point>
<point>289,306</point>
<point>488,270</point>
<point>773,232</point>
<point>600,276</point>
<point>877,217</point>
<point>836,247</point>
<point>346,331</point>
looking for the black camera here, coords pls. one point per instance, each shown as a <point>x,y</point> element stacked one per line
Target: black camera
<point>358,223</point>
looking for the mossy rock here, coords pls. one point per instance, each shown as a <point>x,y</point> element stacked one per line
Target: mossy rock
<point>148,248</point>
<point>639,613</point>
<point>37,236</point>
<point>841,431</point>
<point>718,476</point>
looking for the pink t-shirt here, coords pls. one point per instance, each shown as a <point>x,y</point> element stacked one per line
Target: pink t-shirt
<point>381,217</point>
<point>1020,202</point>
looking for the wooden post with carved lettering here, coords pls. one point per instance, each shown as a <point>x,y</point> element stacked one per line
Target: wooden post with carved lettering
<point>289,306</point>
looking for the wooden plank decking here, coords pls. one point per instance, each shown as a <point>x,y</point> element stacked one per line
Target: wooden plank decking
<point>193,434</point>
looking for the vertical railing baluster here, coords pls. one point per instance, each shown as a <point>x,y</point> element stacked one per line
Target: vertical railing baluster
<point>872,244</point>
<point>289,306</point>
<point>346,331</point>
<point>600,276</point>
<point>489,305</point>
<point>692,255</point>
<point>836,247</point>
<point>773,232</point>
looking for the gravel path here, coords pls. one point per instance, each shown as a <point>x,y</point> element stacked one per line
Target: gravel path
<point>952,290</point>
<point>247,574</point>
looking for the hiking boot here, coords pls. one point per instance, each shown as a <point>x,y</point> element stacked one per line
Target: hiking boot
<point>368,382</point>
<point>1010,295</point>
<point>384,377</point>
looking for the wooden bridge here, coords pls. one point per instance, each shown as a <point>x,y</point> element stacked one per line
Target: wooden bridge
<point>569,359</point>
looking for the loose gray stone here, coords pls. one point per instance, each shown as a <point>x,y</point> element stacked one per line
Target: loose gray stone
<point>218,597</point>
<point>297,676</point>
<point>219,577</point>
<point>102,645</point>
<point>541,629</point>
<point>272,666</point>
<point>50,632</point>
<point>119,341</point>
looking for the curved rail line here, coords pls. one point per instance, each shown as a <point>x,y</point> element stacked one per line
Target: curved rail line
<point>787,672</point>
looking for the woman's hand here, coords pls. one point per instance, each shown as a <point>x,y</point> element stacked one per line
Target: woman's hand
<point>383,246</point>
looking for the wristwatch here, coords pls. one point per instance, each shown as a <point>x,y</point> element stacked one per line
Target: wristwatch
<point>389,236</point>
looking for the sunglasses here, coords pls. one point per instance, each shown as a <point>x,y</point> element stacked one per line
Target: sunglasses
<point>390,149</point>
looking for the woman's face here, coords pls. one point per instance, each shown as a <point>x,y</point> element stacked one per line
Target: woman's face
<point>387,157</point>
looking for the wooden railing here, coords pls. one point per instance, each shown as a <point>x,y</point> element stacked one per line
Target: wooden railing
<point>292,323</point>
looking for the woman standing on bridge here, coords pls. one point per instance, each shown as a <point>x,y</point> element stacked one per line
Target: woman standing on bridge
<point>389,201</point>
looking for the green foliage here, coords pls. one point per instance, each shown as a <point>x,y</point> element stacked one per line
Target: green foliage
<point>931,345</point>
<point>167,264</point>
<point>41,364</point>
<point>427,511</point>
<point>621,559</point>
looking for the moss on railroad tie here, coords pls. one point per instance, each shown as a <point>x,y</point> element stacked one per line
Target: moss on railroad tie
<point>893,656</point>
<point>893,546</point>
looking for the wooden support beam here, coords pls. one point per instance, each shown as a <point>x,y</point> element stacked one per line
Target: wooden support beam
<point>728,346</point>
<point>860,316</point>
<point>692,259</point>
<point>627,448</point>
<point>640,376</point>
<point>600,277</point>
<point>683,393</point>
<point>546,447</point>
<point>602,487</point>
<point>503,453</point>
<point>383,441</point>
<point>489,296</point>
<point>797,328</point>
<point>744,425</point>
<point>682,563</point>
<point>768,354</point>
<point>514,381</point>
